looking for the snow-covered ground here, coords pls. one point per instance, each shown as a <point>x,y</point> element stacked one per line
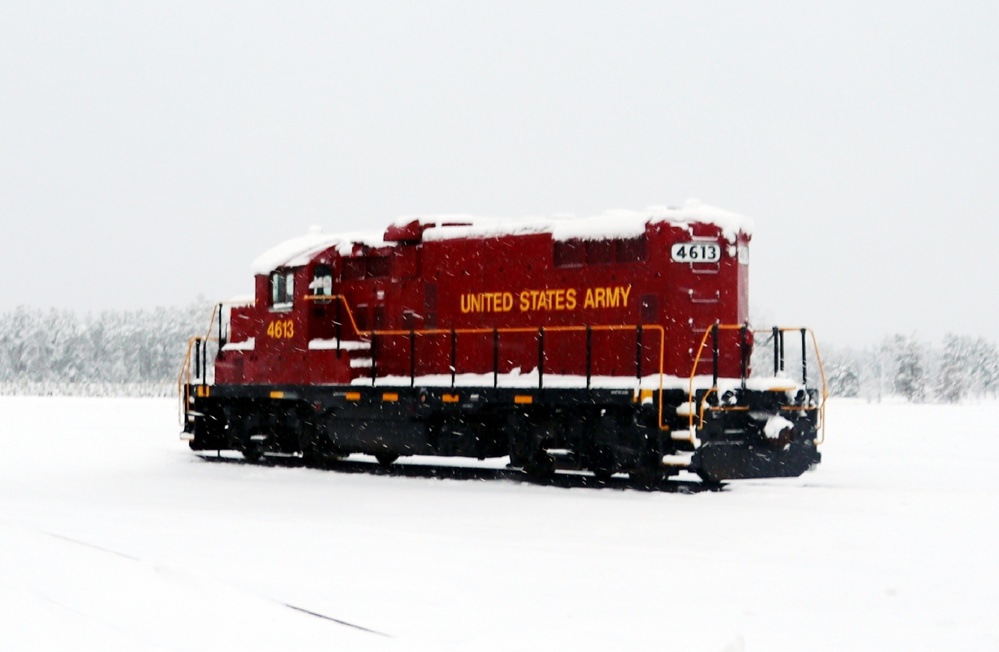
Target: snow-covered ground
<point>113,536</point>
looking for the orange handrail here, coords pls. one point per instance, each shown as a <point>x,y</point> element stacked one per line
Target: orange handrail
<point>513,329</point>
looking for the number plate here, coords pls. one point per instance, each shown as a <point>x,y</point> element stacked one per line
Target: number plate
<point>696,252</point>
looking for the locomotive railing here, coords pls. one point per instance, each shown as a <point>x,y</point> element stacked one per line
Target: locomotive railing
<point>412,334</point>
<point>777,336</point>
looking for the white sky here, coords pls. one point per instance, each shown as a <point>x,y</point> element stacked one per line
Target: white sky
<point>150,151</point>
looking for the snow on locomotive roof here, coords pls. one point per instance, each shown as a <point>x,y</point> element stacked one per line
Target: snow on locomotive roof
<point>298,251</point>
<point>611,224</point>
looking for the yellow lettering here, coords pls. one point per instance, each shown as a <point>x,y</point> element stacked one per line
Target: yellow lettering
<point>487,302</point>
<point>615,296</point>
<point>557,299</point>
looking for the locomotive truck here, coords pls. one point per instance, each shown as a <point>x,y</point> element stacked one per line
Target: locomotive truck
<point>613,344</point>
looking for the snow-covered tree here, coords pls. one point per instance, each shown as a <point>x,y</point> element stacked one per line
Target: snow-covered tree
<point>984,360</point>
<point>843,380</point>
<point>903,360</point>
<point>954,375</point>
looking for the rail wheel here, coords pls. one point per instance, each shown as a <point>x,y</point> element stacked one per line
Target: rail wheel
<point>602,464</point>
<point>386,459</point>
<point>647,475</point>
<point>648,469</point>
<point>253,445</point>
<point>541,466</point>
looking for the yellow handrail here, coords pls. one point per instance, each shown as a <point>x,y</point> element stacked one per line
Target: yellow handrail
<point>184,378</point>
<point>520,329</point>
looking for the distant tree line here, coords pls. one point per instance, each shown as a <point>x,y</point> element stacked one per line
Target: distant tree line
<point>135,352</point>
<point>962,367</point>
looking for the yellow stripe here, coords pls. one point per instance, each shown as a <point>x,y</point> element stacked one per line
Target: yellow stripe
<point>520,399</point>
<point>353,396</point>
<point>390,396</point>
<point>450,398</point>
<point>277,394</point>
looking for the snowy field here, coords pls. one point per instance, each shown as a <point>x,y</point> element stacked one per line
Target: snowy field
<point>114,536</point>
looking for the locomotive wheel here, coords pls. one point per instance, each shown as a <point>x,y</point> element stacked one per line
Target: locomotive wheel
<point>386,459</point>
<point>253,447</point>
<point>252,450</point>
<point>602,464</point>
<point>648,470</point>
<point>540,467</point>
<point>646,475</point>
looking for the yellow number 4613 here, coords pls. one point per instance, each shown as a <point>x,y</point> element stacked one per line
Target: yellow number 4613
<point>281,329</point>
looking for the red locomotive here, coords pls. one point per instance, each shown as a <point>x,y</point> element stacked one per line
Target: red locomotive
<point>613,344</point>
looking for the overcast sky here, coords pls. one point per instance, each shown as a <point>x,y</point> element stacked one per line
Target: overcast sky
<point>150,151</point>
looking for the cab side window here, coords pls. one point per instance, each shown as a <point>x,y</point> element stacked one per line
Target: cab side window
<point>282,290</point>
<point>322,281</point>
